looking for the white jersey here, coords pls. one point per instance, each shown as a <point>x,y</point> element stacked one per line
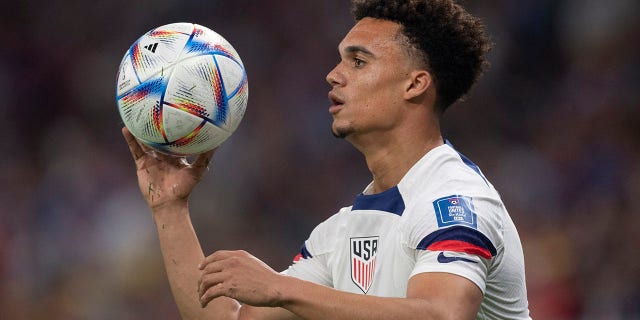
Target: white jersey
<point>443,216</point>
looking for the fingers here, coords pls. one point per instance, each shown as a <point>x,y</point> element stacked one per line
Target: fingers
<point>139,150</point>
<point>135,148</point>
<point>202,162</point>
<point>237,275</point>
<point>174,160</point>
<point>219,256</point>
<point>219,276</point>
<point>212,281</point>
<point>206,285</point>
<point>214,287</point>
<point>213,267</point>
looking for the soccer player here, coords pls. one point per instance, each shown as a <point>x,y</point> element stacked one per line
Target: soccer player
<point>428,238</point>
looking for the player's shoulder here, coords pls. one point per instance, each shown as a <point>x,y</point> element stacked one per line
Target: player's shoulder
<point>443,172</point>
<point>447,166</point>
<point>323,237</point>
<point>445,189</point>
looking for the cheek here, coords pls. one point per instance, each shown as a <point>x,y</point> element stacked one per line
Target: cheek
<point>379,109</point>
<point>383,85</point>
<point>379,98</point>
<point>376,93</point>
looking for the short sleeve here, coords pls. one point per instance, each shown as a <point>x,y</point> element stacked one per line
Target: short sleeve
<point>308,267</point>
<point>451,260</point>
<point>311,263</point>
<point>457,234</point>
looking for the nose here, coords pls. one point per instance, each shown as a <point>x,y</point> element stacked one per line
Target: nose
<point>333,77</point>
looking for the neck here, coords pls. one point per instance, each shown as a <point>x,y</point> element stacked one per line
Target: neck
<point>389,158</point>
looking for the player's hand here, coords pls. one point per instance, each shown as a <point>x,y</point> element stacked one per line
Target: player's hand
<point>165,179</point>
<point>241,276</point>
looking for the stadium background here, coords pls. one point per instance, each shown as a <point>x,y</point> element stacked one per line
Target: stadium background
<point>554,124</point>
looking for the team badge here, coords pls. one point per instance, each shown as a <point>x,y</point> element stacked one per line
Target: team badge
<point>363,261</point>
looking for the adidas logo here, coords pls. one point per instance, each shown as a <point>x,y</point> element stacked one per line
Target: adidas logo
<point>151,47</point>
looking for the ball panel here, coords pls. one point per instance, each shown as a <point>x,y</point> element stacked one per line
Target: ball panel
<point>204,138</point>
<point>126,76</point>
<point>158,49</point>
<point>207,41</point>
<point>232,72</point>
<point>178,123</point>
<point>237,107</point>
<point>177,27</point>
<point>234,82</point>
<point>141,111</point>
<point>190,87</point>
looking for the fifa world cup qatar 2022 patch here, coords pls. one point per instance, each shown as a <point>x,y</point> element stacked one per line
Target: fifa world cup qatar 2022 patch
<point>455,210</point>
<point>363,261</point>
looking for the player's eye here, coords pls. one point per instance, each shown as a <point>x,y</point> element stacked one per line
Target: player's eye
<point>358,63</point>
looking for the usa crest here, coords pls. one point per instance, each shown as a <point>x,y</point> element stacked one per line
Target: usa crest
<point>363,261</point>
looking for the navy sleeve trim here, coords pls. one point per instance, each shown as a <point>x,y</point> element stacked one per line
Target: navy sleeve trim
<point>459,239</point>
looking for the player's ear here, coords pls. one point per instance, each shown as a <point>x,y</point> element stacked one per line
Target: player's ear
<point>418,83</point>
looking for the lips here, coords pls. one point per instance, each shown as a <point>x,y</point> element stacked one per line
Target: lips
<point>336,102</point>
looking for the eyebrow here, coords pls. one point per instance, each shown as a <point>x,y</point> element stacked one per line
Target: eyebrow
<point>356,49</point>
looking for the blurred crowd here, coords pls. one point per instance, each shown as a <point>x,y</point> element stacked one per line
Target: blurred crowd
<point>554,124</point>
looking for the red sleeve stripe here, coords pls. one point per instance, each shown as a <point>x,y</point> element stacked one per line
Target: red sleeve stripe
<point>459,246</point>
<point>459,239</point>
<point>304,254</point>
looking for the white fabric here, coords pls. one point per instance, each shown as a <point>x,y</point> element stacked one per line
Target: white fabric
<point>404,218</point>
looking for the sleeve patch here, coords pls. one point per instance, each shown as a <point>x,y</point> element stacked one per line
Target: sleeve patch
<point>455,210</point>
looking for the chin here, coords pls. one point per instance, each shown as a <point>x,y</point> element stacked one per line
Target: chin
<point>341,132</point>
<point>338,135</point>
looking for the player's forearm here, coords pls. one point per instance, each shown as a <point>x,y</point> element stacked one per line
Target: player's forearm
<point>182,253</point>
<point>312,301</point>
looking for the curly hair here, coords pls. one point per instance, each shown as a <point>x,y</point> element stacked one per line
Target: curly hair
<point>451,42</point>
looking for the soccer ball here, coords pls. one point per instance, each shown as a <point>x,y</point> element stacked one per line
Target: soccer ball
<point>181,89</point>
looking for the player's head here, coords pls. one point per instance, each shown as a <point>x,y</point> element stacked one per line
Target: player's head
<point>377,83</point>
<point>449,42</point>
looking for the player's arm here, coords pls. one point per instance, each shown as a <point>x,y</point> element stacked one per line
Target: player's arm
<point>241,276</point>
<point>181,253</point>
<point>429,296</point>
<point>166,183</point>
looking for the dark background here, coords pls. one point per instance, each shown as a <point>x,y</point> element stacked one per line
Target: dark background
<point>554,124</point>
